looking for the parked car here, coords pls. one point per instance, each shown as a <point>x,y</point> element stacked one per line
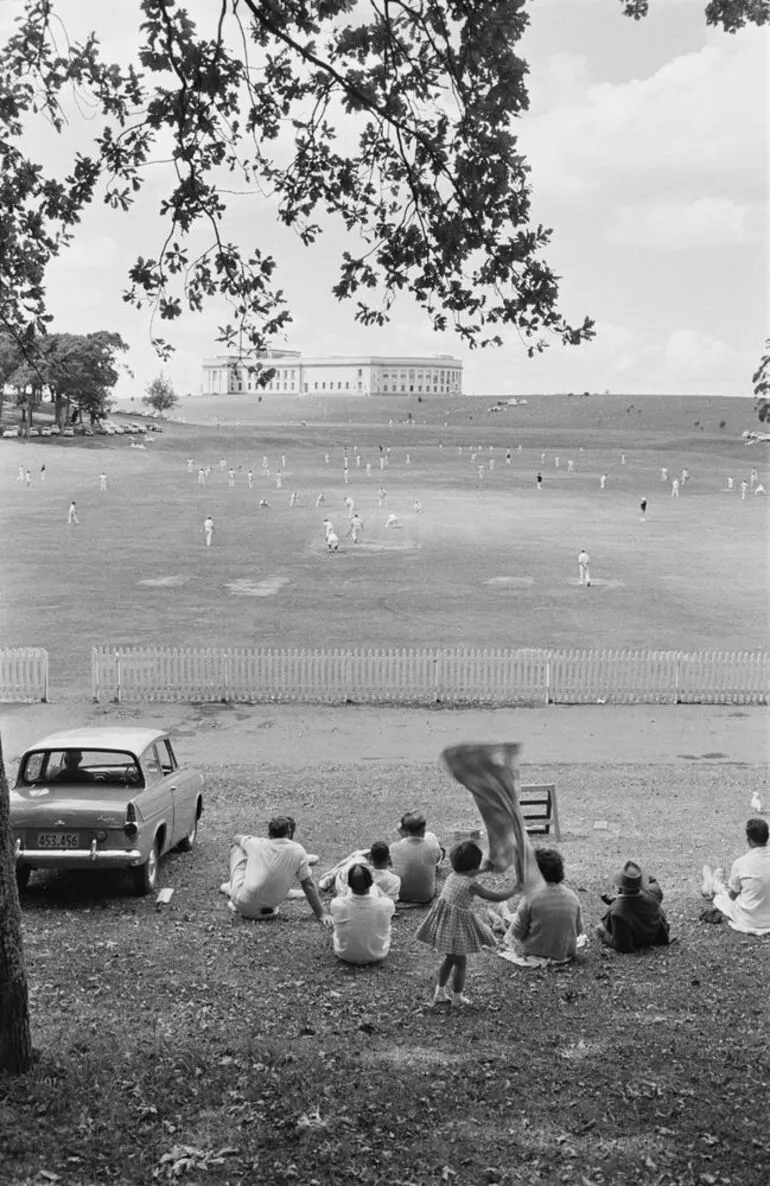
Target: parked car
<point>9,433</point>
<point>46,432</point>
<point>88,432</point>
<point>68,432</point>
<point>33,432</point>
<point>55,430</point>
<point>103,797</point>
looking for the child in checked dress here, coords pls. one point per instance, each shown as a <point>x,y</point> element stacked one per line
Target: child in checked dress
<point>452,928</point>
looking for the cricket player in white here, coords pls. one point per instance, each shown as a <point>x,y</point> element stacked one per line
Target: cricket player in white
<point>250,479</point>
<point>189,465</point>
<point>102,481</point>
<point>208,530</point>
<point>584,572</point>
<point>675,488</point>
<point>201,477</point>
<point>602,481</point>
<point>72,514</point>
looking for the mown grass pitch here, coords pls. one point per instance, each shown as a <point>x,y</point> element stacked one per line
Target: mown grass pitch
<point>490,562</point>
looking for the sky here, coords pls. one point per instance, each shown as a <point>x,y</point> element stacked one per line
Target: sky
<point>648,143</point>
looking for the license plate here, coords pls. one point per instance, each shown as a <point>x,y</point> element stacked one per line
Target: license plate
<point>58,840</point>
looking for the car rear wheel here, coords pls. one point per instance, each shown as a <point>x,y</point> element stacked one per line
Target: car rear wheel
<point>146,876</point>
<point>188,842</point>
<point>22,877</point>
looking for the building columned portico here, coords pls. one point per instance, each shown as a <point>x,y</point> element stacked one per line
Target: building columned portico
<point>370,375</point>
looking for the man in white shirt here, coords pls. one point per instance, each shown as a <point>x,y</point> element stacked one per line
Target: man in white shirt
<point>264,869</point>
<point>584,572</point>
<point>744,898</point>
<point>361,920</point>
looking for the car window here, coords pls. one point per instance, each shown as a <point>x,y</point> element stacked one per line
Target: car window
<point>167,757</point>
<point>151,765</point>
<point>80,766</point>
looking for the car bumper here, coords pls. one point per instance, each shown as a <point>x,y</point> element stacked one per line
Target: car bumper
<point>73,858</point>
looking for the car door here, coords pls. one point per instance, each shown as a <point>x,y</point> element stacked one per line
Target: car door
<point>181,787</point>
<point>156,800</point>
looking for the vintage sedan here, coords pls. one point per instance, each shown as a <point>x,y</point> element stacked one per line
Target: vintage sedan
<point>103,797</point>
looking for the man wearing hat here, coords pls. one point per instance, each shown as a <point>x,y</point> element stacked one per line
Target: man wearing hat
<point>635,918</point>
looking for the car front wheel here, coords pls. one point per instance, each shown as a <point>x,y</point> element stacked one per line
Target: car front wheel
<point>146,876</point>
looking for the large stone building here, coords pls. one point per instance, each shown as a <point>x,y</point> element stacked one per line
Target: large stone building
<point>438,374</point>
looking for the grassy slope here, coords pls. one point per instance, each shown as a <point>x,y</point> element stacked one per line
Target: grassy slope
<point>179,1045</point>
<point>687,578</point>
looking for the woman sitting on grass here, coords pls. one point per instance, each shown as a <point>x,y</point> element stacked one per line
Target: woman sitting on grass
<point>452,928</point>
<point>547,922</point>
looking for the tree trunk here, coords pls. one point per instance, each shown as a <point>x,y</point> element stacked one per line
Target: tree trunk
<point>15,1038</point>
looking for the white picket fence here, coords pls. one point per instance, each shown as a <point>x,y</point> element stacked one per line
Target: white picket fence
<point>23,674</point>
<point>453,676</point>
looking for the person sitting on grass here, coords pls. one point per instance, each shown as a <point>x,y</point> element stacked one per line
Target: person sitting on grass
<point>361,919</point>
<point>548,922</point>
<point>635,918</point>
<point>416,858</point>
<point>744,899</point>
<point>377,857</point>
<point>263,870</point>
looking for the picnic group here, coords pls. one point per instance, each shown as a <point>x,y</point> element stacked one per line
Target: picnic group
<point>464,911</point>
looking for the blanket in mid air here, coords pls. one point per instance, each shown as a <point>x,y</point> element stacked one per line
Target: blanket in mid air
<point>491,774</point>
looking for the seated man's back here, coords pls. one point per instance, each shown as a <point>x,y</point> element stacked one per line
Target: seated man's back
<point>361,920</point>
<point>415,860</point>
<point>273,866</point>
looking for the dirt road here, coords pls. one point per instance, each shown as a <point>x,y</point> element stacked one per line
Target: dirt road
<point>308,735</point>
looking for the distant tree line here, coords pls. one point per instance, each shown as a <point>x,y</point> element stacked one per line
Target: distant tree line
<point>76,372</point>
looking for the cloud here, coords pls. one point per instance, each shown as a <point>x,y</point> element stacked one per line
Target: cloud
<point>695,352</point>
<point>705,222</point>
<point>696,121</point>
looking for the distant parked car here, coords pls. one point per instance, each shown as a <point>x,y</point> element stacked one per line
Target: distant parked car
<point>45,432</point>
<point>97,797</point>
<point>55,430</point>
<point>68,432</point>
<point>88,432</point>
<point>9,433</point>
<point>33,432</point>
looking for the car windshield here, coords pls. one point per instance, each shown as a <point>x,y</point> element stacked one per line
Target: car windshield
<point>83,766</point>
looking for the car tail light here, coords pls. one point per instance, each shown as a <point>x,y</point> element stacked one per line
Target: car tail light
<point>130,826</point>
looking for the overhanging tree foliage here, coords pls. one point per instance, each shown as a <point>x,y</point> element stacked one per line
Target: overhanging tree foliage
<point>430,178</point>
<point>761,381</point>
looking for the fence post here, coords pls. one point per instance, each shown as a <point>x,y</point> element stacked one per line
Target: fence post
<point>436,697</point>
<point>45,677</point>
<point>226,678</point>
<point>117,677</point>
<point>547,682</point>
<point>676,677</point>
